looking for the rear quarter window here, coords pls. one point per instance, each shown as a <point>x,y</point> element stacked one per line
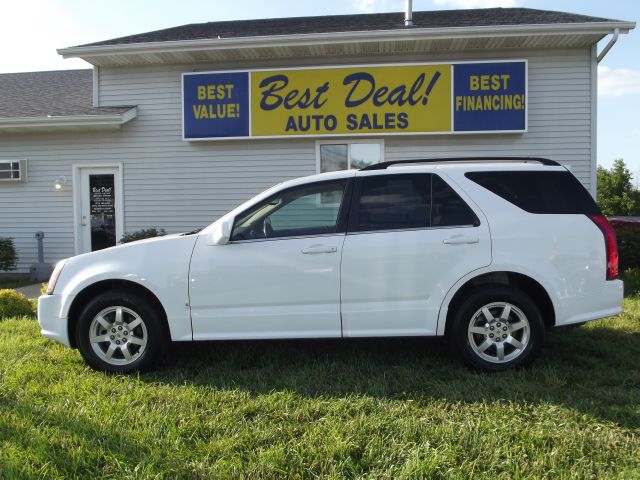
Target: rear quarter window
<point>539,192</point>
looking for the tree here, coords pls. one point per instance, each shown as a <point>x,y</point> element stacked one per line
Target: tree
<point>616,193</point>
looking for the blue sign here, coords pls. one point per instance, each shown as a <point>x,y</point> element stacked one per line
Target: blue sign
<point>215,105</point>
<point>489,97</point>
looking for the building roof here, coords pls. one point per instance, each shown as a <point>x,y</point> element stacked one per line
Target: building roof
<point>57,93</point>
<point>355,23</point>
<point>57,99</point>
<point>350,36</point>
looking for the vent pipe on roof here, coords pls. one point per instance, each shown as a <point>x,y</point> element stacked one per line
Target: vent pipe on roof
<point>408,14</point>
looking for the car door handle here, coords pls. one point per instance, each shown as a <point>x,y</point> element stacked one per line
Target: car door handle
<point>460,240</point>
<point>314,249</point>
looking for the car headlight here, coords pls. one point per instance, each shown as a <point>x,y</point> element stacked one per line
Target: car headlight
<point>54,276</point>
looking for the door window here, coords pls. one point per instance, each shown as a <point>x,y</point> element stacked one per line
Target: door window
<point>392,202</point>
<point>447,208</point>
<point>298,211</point>
<point>102,211</point>
<point>406,201</point>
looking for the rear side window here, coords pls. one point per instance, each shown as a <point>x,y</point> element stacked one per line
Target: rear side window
<point>448,209</point>
<point>539,192</point>
<point>405,201</point>
<point>392,202</point>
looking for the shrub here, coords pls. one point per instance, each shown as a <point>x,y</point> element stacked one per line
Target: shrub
<point>14,304</point>
<point>628,248</point>
<point>8,255</point>
<point>142,234</point>
<point>631,277</point>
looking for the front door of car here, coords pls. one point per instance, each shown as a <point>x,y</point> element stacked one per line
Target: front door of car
<point>279,275</point>
<point>410,238</point>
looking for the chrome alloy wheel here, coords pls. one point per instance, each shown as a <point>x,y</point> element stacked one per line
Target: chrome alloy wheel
<point>118,335</point>
<point>499,332</point>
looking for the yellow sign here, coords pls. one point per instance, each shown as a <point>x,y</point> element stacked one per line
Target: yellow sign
<point>354,100</point>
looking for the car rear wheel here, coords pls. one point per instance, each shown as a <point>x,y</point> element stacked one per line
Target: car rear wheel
<point>497,328</point>
<point>120,332</point>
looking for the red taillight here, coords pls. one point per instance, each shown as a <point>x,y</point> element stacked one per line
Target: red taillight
<point>611,244</point>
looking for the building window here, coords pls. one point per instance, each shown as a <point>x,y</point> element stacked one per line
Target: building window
<point>344,155</point>
<point>13,170</point>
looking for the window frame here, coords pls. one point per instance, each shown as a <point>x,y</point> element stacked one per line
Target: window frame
<point>348,142</point>
<point>22,170</point>
<point>341,221</point>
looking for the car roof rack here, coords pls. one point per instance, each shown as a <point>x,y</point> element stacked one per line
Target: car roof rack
<point>384,165</point>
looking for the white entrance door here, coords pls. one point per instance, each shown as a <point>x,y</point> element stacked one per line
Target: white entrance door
<point>100,208</point>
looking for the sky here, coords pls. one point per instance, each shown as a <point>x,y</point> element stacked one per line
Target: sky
<point>32,30</point>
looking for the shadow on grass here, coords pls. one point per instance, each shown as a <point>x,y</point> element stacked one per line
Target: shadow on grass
<point>593,371</point>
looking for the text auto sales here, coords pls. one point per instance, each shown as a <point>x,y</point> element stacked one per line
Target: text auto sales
<point>363,89</point>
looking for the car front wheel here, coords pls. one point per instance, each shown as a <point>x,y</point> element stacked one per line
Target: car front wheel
<point>497,328</point>
<point>120,332</point>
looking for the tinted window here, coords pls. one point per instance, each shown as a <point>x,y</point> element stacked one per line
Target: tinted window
<point>391,202</point>
<point>539,192</point>
<point>297,211</point>
<point>448,209</point>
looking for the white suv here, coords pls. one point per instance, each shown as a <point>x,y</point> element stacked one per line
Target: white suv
<point>489,252</point>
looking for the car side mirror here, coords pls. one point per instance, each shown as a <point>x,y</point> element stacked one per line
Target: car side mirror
<point>222,231</point>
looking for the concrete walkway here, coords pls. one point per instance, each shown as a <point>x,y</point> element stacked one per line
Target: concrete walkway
<point>30,291</point>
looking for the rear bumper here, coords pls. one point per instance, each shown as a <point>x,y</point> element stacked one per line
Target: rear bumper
<point>607,303</point>
<point>52,323</point>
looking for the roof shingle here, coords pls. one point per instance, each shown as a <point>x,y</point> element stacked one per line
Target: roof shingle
<point>353,23</point>
<point>56,93</point>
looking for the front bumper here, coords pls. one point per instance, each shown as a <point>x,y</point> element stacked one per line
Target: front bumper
<point>53,324</point>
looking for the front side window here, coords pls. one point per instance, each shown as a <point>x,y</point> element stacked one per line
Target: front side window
<point>334,156</point>
<point>297,211</point>
<point>407,201</point>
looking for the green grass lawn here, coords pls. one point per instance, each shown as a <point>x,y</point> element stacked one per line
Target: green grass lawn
<point>399,408</point>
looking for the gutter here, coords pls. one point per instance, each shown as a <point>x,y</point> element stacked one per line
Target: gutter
<point>49,121</point>
<point>600,28</point>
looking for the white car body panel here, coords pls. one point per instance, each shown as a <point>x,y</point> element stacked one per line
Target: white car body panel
<point>394,282</point>
<point>158,264</point>
<point>266,288</point>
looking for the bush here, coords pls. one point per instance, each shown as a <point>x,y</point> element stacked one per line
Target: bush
<point>628,248</point>
<point>8,255</point>
<point>142,234</point>
<point>631,278</point>
<point>14,304</point>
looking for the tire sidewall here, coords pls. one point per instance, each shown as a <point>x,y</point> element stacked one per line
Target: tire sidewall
<point>479,298</point>
<point>156,337</point>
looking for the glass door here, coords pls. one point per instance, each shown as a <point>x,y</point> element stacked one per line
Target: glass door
<point>100,209</point>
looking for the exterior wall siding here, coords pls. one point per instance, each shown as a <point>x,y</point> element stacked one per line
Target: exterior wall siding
<point>179,185</point>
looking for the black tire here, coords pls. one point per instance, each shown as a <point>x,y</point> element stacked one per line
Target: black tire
<point>506,323</point>
<point>128,331</point>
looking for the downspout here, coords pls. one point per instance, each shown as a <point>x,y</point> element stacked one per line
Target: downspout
<point>608,46</point>
<point>408,14</point>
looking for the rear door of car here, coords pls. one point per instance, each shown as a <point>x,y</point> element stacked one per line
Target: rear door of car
<point>410,237</point>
